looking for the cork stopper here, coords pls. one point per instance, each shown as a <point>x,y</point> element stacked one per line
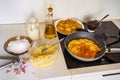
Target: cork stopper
<point>50,9</point>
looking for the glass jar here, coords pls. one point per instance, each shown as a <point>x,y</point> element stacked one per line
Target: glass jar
<point>40,59</point>
<point>33,29</point>
<point>50,31</point>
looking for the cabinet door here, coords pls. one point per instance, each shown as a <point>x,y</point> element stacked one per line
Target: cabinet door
<point>111,76</point>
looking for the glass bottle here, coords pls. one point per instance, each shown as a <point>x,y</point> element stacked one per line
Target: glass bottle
<point>33,29</point>
<point>50,31</point>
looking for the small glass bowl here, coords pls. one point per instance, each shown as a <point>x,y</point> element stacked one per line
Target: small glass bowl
<point>93,24</point>
<point>37,58</point>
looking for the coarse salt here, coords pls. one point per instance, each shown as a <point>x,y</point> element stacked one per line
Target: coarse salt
<point>18,46</point>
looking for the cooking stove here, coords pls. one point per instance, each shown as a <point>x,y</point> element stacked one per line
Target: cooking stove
<point>107,27</point>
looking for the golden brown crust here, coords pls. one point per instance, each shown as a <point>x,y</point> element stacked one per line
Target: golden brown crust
<point>84,48</point>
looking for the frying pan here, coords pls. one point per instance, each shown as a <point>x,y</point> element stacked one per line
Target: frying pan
<point>86,35</point>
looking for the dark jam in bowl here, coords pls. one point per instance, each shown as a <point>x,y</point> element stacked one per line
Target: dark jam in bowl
<point>93,24</point>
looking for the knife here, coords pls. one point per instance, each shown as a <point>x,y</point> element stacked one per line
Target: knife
<point>13,60</point>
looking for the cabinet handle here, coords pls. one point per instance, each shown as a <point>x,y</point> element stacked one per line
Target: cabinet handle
<point>111,74</point>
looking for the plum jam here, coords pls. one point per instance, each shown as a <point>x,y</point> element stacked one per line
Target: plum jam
<point>92,25</point>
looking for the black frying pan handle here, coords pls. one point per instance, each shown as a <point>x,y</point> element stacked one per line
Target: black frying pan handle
<point>113,43</point>
<point>119,32</point>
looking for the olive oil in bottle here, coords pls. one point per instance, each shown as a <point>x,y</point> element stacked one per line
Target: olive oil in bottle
<point>50,31</point>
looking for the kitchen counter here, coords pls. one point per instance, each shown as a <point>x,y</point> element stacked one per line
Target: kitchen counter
<point>56,71</point>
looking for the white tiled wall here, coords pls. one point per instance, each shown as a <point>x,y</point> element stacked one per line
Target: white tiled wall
<point>17,11</point>
<point>80,8</point>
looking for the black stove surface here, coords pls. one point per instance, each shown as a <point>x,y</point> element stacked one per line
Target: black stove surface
<point>107,27</point>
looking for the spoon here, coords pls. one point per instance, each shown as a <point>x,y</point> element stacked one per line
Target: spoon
<point>44,49</point>
<point>103,18</point>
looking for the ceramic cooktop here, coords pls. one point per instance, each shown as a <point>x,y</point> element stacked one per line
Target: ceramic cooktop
<point>110,29</point>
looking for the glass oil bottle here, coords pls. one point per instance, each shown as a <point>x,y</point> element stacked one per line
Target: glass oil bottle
<point>50,31</point>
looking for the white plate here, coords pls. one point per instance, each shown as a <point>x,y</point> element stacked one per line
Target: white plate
<point>57,21</point>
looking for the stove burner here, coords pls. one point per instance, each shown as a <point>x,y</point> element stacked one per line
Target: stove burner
<point>117,41</point>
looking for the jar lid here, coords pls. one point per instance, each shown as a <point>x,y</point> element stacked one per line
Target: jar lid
<point>32,20</point>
